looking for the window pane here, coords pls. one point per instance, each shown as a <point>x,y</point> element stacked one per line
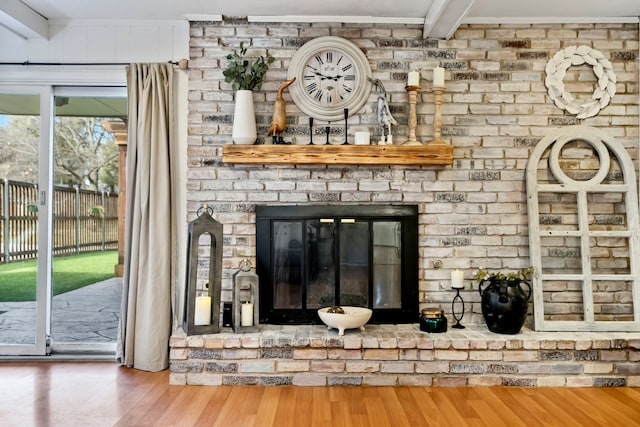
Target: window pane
<point>287,264</point>
<point>19,161</point>
<point>85,218</point>
<point>354,263</point>
<point>321,282</point>
<point>387,264</point>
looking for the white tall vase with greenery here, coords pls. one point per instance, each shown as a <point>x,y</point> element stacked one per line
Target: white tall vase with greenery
<point>244,78</point>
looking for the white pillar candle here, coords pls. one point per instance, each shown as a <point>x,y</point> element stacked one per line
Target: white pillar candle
<point>362,138</point>
<point>413,78</point>
<point>202,315</point>
<point>438,77</point>
<point>246,318</point>
<point>457,279</point>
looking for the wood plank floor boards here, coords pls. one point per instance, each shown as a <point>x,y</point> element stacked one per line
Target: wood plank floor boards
<point>625,407</point>
<point>99,394</point>
<point>268,406</point>
<point>302,403</point>
<point>445,406</point>
<point>524,405</point>
<point>394,407</point>
<point>416,413</point>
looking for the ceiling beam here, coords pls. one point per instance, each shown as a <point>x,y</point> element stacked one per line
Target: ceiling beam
<point>433,15</point>
<point>444,18</point>
<point>22,20</point>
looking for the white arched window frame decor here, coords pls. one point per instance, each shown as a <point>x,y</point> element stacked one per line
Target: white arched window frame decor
<point>583,233</point>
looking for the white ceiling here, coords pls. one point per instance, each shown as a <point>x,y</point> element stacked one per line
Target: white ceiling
<point>440,17</point>
<point>177,9</point>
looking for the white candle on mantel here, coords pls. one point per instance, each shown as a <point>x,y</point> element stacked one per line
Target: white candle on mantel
<point>202,315</point>
<point>413,78</point>
<point>457,279</point>
<point>438,77</point>
<point>246,318</point>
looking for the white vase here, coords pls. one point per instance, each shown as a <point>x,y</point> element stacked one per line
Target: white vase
<point>244,119</point>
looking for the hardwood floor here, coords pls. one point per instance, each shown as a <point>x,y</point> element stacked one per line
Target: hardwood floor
<point>105,394</point>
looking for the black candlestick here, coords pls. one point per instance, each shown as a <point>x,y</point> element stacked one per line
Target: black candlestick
<point>453,311</point>
<point>328,130</point>
<point>310,130</point>
<point>346,116</point>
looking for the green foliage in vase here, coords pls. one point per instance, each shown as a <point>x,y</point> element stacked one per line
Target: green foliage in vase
<point>244,75</point>
<point>483,275</point>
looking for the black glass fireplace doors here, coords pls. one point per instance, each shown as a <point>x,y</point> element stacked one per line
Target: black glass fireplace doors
<point>310,258</point>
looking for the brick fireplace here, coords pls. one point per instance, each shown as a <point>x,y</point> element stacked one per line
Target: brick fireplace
<point>314,256</point>
<point>471,214</point>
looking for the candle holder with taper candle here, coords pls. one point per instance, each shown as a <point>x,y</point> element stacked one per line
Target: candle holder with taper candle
<point>437,89</point>
<point>346,118</point>
<point>457,283</point>
<point>412,88</point>
<point>412,91</point>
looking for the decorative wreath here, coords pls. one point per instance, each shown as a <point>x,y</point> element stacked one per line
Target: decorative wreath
<point>556,70</point>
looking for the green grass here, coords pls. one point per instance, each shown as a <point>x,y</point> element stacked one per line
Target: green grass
<point>18,279</point>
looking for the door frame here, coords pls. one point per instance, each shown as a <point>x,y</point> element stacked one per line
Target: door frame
<point>82,347</point>
<point>45,223</point>
<point>48,85</point>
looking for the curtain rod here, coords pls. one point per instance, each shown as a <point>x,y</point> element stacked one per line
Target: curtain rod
<point>179,63</point>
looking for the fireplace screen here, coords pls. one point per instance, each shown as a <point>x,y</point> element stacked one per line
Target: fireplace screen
<point>311,257</point>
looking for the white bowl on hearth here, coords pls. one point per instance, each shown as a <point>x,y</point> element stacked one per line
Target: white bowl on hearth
<point>352,318</point>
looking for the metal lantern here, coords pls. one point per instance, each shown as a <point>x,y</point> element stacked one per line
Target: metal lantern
<point>245,299</point>
<point>202,307</point>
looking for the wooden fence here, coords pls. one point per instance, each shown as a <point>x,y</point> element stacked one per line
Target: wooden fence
<point>83,221</point>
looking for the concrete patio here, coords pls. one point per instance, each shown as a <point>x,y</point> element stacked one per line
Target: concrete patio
<point>86,315</point>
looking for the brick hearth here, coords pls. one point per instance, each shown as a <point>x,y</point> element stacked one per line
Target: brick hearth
<point>308,355</point>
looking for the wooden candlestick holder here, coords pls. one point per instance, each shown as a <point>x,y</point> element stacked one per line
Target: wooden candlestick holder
<point>412,91</point>
<point>437,116</point>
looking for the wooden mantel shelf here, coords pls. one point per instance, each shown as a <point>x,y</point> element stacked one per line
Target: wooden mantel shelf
<point>432,153</point>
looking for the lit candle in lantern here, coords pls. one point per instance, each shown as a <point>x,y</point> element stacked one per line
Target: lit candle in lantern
<point>457,279</point>
<point>202,315</point>
<point>438,77</point>
<point>246,317</point>
<point>413,78</point>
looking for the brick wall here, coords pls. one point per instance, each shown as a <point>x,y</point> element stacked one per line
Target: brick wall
<point>495,109</point>
<point>387,355</point>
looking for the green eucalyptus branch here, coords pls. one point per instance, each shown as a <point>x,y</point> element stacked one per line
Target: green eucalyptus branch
<point>245,76</point>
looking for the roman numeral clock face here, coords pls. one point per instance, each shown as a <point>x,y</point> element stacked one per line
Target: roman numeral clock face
<point>331,75</point>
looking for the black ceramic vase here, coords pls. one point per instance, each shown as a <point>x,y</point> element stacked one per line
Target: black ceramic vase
<point>504,305</point>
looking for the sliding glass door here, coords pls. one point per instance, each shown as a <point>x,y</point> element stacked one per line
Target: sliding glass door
<point>26,115</point>
<point>86,293</point>
<point>59,219</point>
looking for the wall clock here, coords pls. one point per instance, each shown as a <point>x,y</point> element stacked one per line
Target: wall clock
<point>331,75</point>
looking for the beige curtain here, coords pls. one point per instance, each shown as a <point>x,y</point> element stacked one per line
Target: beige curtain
<point>151,222</point>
